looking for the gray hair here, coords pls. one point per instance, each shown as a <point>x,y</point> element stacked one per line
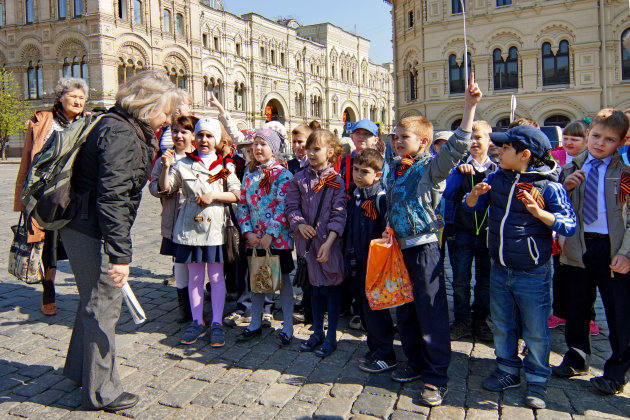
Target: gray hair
<point>147,92</point>
<point>67,84</point>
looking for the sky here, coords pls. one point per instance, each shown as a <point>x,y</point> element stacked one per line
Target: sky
<point>371,18</point>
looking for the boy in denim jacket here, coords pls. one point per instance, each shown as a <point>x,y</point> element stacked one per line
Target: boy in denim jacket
<point>414,188</point>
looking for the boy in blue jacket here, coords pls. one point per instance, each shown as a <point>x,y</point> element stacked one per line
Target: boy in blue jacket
<point>526,204</point>
<point>414,188</point>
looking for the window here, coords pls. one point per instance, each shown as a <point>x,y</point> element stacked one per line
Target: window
<point>239,96</point>
<point>455,125</point>
<point>555,67</point>
<point>316,106</point>
<point>505,71</point>
<point>457,81</point>
<point>282,62</point>
<point>178,77</point>
<point>273,56</point>
<point>78,8</point>
<point>179,24</point>
<point>122,9</point>
<point>413,85</point>
<point>335,107</point>
<point>137,11</point>
<point>410,19</point>
<point>503,3</point>
<point>456,6</point>
<point>35,80</point>
<point>204,40</point>
<point>213,86</point>
<point>215,42</point>
<point>373,113</point>
<point>75,67</point>
<point>625,57</point>
<point>166,20</point>
<point>127,70</point>
<point>30,12</point>
<point>502,124</point>
<point>61,9</point>
<point>238,49</point>
<point>559,120</point>
<point>1,15</point>
<point>262,53</point>
<point>299,104</point>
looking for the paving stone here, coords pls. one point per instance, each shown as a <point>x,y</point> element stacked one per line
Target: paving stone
<point>169,379</point>
<point>35,371</point>
<point>547,414</point>
<point>47,397</point>
<point>264,376</point>
<point>445,412</point>
<point>234,376</point>
<point>52,413</point>
<point>39,385</point>
<point>511,412</point>
<point>478,414</point>
<point>347,391</point>
<point>71,399</point>
<point>26,409</point>
<point>313,393</point>
<point>245,394</point>
<point>382,384</point>
<point>277,395</point>
<point>296,410</point>
<point>213,395</point>
<point>373,405</point>
<point>406,415</point>
<point>409,404</point>
<point>259,412</point>
<point>226,411</point>
<point>183,393</point>
<point>192,412</point>
<point>210,372</point>
<point>333,408</point>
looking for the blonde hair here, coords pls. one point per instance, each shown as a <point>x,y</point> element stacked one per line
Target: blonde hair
<point>327,138</point>
<point>147,92</point>
<point>303,129</point>
<point>482,126</point>
<point>420,126</point>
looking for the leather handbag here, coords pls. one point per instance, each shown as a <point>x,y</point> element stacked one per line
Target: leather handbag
<point>25,259</point>
<point>301,273</point>
<point>232,232</point>
<point>265,275</point>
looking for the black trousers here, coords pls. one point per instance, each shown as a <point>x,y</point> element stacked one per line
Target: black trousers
<point>614,289</point>
<point>423,323</point>
<point>378,324</point>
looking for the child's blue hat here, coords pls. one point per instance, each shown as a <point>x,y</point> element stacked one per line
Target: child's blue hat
<point>532,138</point>
<point>366,125</point>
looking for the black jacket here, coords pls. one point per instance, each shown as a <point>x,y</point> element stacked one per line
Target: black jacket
<point>108,175</point>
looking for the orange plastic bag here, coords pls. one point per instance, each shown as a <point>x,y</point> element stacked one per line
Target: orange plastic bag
<point>387,283</point>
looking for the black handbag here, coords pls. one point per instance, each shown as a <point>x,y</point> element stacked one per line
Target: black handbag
<point>232,233</point>
<point>301,273</point>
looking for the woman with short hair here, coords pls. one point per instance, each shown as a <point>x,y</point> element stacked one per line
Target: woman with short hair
<point>70,97</point>
<point>108,176</point>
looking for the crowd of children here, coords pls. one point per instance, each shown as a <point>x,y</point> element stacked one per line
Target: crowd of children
<point>505,201</point>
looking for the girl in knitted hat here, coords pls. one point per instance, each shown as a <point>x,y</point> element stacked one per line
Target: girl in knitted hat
<point>199,228</point>
<point>263,221</point>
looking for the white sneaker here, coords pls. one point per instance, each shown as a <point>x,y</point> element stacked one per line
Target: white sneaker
<point>266,320</point>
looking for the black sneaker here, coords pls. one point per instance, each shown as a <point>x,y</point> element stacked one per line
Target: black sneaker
<point>566,371</point>
<point>500,381</point>
<point>481,331</point>
<point>405,373</point>
<point>607,386</point>
<point>460,329</point>
<point>536,395</point>
<point>376,366</point>
<point>432,395</point>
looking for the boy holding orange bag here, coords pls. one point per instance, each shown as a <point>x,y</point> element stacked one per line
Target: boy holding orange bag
<point>366,221</point>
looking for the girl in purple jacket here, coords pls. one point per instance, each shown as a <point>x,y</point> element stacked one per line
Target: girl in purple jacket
<point>325,257</point>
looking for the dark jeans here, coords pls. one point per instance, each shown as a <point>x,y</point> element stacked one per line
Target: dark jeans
<point>378,324</point>
<point>326,299</point>
<point>463,248</point>
<point>520,302</point>
<point>423,323</point>
<point>561,284</point>
<point>615,293</point>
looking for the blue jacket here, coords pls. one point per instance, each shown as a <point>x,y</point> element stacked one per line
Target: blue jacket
<point>412,198</point>
<point>516,239</point>
<point>360,229</point>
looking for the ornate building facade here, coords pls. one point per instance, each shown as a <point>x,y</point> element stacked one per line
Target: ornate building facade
<point>254,65</point>
<point>561,59</point>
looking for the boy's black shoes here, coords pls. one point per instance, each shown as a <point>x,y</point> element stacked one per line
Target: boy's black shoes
<point>566,371</point>
<point>124,401</point>
<point>481,330</point>
<point>460,329</point>
<point>247,335</point>
<point>312,343</point>
<point>500,381</point>
<point>536,395</point>
<point>405,373</point>
<point>376,366</point>
<point>607,386</point>
<point>432,395</point>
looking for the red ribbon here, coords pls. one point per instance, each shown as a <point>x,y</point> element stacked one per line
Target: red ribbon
<point>533,191</point>
<point>265,183</point>
<point>222,174</point>
<point>624,187</point>
<point>329,181</point>
<point>406,163</point>
<point>370,209</point>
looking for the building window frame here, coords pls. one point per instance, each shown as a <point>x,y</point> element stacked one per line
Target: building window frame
<point>167,17</point>
<point>179,24</point>
<point>137,11</point>
<point>410,19</point>
<point>505,72</point>
<point>456,7</point>
<point>501,3</point>
<point>456,77</point>
<point>34,81</point>
<point>552,64</point>
<point>62,9</point>
<point>128,69</point>
<point>29,11</point>
<point>625,57</point>
<point>79,8</point>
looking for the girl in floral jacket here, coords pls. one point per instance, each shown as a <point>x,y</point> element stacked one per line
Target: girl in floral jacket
<point>263,221</point>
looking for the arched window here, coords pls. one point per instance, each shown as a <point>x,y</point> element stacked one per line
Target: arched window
<point>61,9</point>
<point>505,71</point>
<point>239,96</point>
<point>455,125</point>
<point>122,9</point>
<point>1,14</point>
<point>166,20</point>
<point>75,67</point>
<point>179,24</point>
<point>35,80</point>
<point>178,77</point>
<point>30,11</point>
<point>137,11</point>
<point>625,57</point>
<point>373,116</point>
<point>456,6</point>
<point>503,124</point>
<point>213,86</point>
<point>559,120</point>
<point>78,8</point>
<point>457,81</point>
<point>127,70</point>
<point>299,104</point>
<point>413,84</point>
<point>555,67</point>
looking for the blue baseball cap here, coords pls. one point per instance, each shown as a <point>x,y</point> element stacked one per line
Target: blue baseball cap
<point>532,138</point>
<point>366,125</point>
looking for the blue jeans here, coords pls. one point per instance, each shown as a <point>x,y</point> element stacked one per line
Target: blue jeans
<point>524,295</point>
<point>463,247</point>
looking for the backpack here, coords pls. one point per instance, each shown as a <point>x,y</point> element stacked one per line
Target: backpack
<point>47,193</point>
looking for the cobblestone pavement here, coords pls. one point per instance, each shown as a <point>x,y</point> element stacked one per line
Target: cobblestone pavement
<point>249,380</point>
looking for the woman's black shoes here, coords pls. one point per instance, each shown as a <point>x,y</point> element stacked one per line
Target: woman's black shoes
<point>326,350</point>
<point>247,335</point>
<point>283,339</point>
<point>124,401</point>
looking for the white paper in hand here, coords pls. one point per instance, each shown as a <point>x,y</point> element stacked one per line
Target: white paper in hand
<point>132,303</point>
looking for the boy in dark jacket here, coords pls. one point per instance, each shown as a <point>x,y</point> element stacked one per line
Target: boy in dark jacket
<point>526,203</point>
<point>466,236</point>
<point>366,221</point>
